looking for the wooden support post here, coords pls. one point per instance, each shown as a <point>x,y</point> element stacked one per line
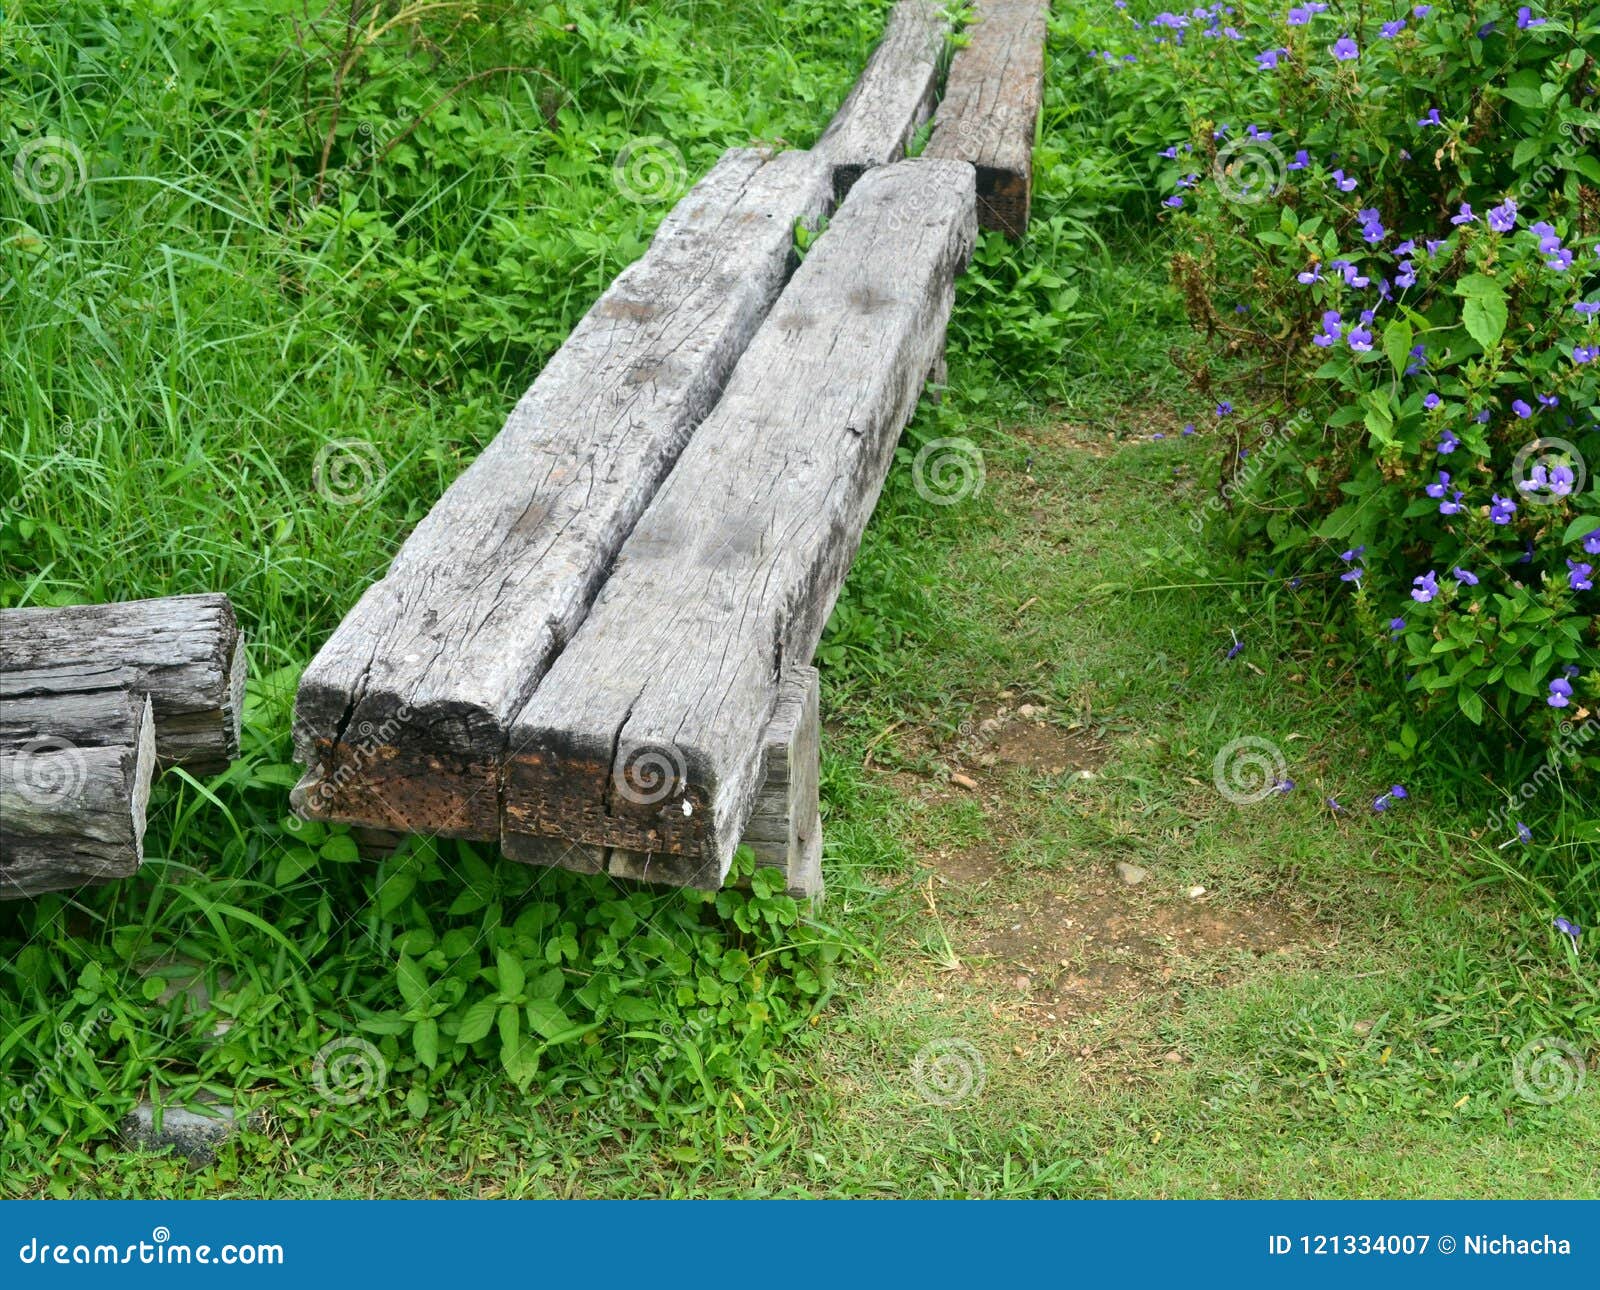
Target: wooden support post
<point>893,97</point>
<point>75,774</point>
<point>990,108</point>
<point>402,717</point>
<point>647,733</point>
<point>185,652</point>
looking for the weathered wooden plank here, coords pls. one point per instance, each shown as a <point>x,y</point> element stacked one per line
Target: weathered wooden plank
<point>893,97</point>
<point>402,717</point>
<point>785,825</point>
<point>990,108</point>
<point>646,734</point>
<point>74,785</point>
<point>185,652</point>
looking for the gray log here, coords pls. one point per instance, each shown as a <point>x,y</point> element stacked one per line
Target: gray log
<point>990,108</point>
<point>893,97</point>
<point>185,652</point>
<point>785,826</point>
<point>73,791</point>
<point>402,717</point>
<point>647,732</point>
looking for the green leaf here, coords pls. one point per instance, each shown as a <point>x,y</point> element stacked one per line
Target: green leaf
<point>417,1103</point>
<point>546,1017</point>
<point>510,1022</point>
<point>413,982</point>
<point>512,977</point>
<point>1471,705</point>
<point>1581,527</point>
<point>1484,317</point>
<point>478,1021</point>
<point>341,849</point>
<point>425,1039</point>
<point>1397,342</point>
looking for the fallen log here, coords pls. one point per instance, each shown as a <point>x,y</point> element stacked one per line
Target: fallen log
<point>990,108</point>
<point>646,734</point>
<point>74,784</point>
<point>893,97</point>
<point>401,719</point>
<point>185,652</point>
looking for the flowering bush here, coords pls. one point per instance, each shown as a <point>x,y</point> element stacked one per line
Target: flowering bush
<point>1386,221</point>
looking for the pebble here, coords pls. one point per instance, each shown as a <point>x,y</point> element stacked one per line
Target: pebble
<point>963,781</point>
<point>1131,874</point>
<point>1027,710</point>
<point>1196,892</point>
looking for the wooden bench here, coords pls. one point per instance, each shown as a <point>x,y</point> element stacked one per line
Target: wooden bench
<point>646,735</point>
<point>990,109</point>
<point>402,718</point>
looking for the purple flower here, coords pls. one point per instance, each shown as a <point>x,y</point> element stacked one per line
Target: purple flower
<point>1285,786</point>
<point>1344,184</point>
<point>1431,119</point>
<point>1300,162</point>
<point>1582,576</point>
<point>1354,553</point>
<point>1503,218</point>
<point>1591,542</point>
<point>1361,339</point>
<point>1396,626</point>
<point>1308,276</point>
<point>1524,836</point>
<point>1432,244</point>
<point>1224,408</point>
<point>1588,308</point>
<point>1174,201</point>
<point>1521,408</point>
<point>1585,353</point>
<point>1267,59</point>
<point>1453,505</point>
<point>1561,480</point>
<point>1560,692</point>
<point>1440,486</point>
<point>1170,153</point>
<point>1482,418</point>
<point>1548,400</point>
<point>1299,16</point>
<point>1233,650</point>
<point>1501,509</point>
<point>1465,577</point>
<point>1344,50</point>
<point>1333,805</point>
<point>1448,443</point>
<point>1390,30</point>
<point>1395,794</point>
<point>1566,927</point>
<point>1431,401</point>
<point>1464,215</point>
<point>1352,575</point>
<point>1525,19</point>
<point>1425,588</point>
<point>1189,429</point>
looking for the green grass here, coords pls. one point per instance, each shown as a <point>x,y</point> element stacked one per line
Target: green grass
<point>1345,1004</point>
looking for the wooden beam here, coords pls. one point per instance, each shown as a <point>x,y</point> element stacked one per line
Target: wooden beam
<point>185,652</point>
<point>893,97</point>
<point>401,719</point>
<point>74,784</point>
<point>990,108</point>
<point>647,732</point>
<point>785,825</point>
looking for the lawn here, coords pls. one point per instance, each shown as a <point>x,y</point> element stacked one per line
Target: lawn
<point>1055,958</point>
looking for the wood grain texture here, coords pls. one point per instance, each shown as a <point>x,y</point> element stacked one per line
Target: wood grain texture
<point>647,732</point>
<point>893,97</point>
<point>185,652</point>
<point>990,108</point>
<point>73,790</point>
<point>784,830</point>
<point>402,717</point>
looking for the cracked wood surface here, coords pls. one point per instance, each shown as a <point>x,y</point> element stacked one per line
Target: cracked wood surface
<point>893,97</point>
<point>990,108</point>
<point>185,652</point>
<point>74,784</point>
<point>647,733</point>
<point>402,717</point>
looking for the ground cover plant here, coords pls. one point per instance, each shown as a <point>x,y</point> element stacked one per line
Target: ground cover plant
<point>255,342</point>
